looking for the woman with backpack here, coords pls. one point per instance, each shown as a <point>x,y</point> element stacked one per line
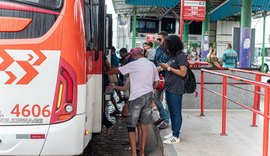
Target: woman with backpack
<point>175,84</point>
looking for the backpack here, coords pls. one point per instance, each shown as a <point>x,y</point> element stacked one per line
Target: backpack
<point>190,82</point>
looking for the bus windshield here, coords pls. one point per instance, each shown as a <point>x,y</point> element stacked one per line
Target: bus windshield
<point>49,4</point>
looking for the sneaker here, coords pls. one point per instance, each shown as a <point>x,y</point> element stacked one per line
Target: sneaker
<point>158,121</point>
<point>172,140</point>
<point>163,125</point>
<point>168,136</point>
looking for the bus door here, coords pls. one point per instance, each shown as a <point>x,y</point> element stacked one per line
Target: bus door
<point>95,45</point>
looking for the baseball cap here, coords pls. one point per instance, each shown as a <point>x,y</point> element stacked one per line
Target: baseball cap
<point>135,51</point>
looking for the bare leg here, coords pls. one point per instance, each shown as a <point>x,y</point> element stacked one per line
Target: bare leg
<point>139,136</point>
<point>114,104</point>
<point>132,141</point>
<point>144,138</point>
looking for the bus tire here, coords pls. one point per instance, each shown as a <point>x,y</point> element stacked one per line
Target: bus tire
<point>266,68</point>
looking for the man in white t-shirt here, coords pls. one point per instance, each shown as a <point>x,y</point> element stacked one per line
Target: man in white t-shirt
<point>144,78</point>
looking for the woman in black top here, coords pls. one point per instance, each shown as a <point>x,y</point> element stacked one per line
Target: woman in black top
<point>174,84</point>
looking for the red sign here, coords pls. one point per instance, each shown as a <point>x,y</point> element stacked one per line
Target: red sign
<point>194,10</point>
<point>150,38</point>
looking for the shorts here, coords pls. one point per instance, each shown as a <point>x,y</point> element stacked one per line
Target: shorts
<point>140,110</point>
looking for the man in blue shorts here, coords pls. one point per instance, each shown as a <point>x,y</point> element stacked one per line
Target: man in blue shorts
<point>144,78</point>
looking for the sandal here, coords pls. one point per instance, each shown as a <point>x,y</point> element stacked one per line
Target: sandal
<point>129,149</point>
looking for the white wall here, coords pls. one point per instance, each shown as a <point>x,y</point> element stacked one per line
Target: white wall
<point>224,34</point>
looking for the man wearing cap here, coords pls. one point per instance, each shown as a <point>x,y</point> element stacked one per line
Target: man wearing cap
<point>143,79</point>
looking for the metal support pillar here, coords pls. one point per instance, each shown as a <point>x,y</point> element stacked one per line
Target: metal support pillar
<point>205,33</point>
<point>245,35</point>
<point>263,41</point>
<point>181,23</point>
<point>185,38</point>
<point>134,27</point>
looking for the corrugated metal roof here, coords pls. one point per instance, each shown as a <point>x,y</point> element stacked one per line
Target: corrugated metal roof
<point>159,8</point>
<point>153,8</point>
<point>160,3</point>
<point>261,5</point>
<point>124,8</point>
<point>233,7</point>
<point>228,8</point>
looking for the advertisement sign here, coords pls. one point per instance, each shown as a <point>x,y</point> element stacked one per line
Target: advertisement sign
<point>150,37</point>
<point>245,49</point>
<point>194,10</point>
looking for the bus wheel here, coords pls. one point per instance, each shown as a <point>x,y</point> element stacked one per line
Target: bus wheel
<point>266,68</point>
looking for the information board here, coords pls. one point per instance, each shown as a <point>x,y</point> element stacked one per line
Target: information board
<point>194,10</point>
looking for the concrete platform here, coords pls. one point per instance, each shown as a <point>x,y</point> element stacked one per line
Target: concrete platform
<point>200,136</point>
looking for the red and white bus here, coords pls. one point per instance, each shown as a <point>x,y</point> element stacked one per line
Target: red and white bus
<point>50,75</point>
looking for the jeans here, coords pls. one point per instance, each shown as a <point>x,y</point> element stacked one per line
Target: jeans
<point>164,114</point>
<point>175,108</point>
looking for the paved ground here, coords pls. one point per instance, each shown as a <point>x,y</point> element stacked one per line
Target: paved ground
<point>109,145</point>
<point>117,143</point>
<point>200,136</point>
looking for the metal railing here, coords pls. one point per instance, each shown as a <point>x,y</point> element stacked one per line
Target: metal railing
<point>257,90</point>
<point>197,64</point>
<point>255,110</point>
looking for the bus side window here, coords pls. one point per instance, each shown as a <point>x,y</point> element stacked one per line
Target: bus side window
<point>88,26</point>
<point>267,52</point>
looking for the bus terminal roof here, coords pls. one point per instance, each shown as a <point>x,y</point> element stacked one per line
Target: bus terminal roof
<point>220,9</point>
<point>233,8</point>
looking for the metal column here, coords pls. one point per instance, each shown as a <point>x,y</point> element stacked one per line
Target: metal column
<point>245,34</point>
<point>134,23</point>
<point>205,33</point>
<point>263,41</point>
<point>185,38</point>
